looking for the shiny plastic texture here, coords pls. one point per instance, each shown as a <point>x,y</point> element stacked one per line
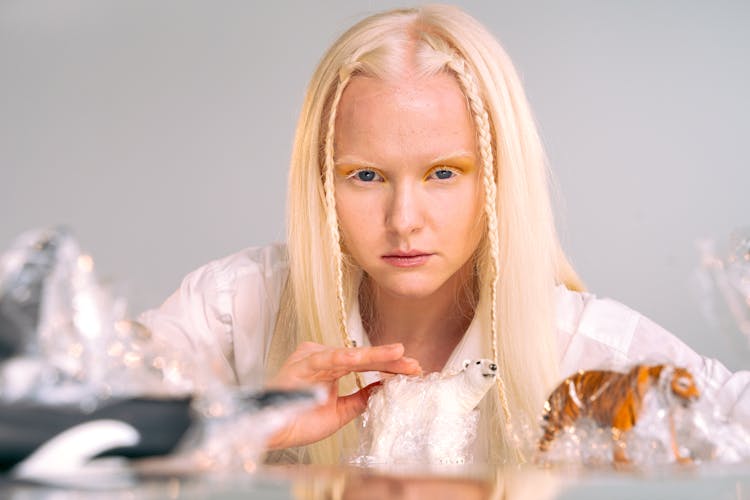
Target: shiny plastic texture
<point>65,343</point>
<point>722,286</point>
<point>425,420</point>
<point>654,414</point>
<point>234,427</point>
<point>64,335</point>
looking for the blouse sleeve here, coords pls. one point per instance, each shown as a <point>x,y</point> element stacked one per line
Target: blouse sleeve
<point>222,315</point>
<point>603,333</point>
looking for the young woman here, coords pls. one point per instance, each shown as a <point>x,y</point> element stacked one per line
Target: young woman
<point>420,234</point>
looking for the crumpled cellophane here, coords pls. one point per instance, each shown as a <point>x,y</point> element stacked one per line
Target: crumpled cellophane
<point>429,420</point>
<point>668,429</point>
<point>65,337</point>
<point>722,286</point>
<point>65,340</point>
<point>235,425</point>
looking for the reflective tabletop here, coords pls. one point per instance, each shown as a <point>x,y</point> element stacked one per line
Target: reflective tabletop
<point>355,483</point>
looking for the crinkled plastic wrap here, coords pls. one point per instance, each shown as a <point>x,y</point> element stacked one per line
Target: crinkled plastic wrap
<point>65,338</point>
<point>425,420</point>
<point>653,414</point>
<point>66,345</point>
<point>233,429</point>
<point>723,285</point>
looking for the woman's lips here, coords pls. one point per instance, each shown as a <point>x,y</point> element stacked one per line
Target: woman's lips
<point>407,260</point>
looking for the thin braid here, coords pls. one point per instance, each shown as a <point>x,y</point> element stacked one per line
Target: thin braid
<point>332,220</point>
<point>482,124</point>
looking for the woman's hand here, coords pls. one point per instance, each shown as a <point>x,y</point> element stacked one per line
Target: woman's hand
<point>321,365</point>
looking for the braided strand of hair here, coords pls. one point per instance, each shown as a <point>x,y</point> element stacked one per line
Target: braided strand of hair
<point>482,124</point>
<point>332,220</point>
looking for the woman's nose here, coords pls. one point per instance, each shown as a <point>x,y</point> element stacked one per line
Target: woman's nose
<point>404,215</point>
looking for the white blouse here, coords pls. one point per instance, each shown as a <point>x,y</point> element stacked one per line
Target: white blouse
<point>224,313</point>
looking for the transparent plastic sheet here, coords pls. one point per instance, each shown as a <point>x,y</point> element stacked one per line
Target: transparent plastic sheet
<point>722,286</point>
<point>65,336</point>
<point>233,430</point>
<point>66,345</point>
<point>654,414</point>
<point>425,420</point>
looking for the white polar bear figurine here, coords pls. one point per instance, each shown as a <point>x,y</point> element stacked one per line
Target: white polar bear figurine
<point>428,419</point>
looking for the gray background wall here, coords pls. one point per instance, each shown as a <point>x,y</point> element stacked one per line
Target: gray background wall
<point>160,131</point>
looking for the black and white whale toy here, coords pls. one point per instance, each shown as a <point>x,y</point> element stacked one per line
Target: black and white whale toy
<point>55,420</point>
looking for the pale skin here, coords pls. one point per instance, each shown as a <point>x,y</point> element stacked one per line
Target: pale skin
<point>409,201</point>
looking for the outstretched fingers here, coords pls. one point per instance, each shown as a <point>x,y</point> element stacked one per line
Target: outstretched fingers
<point>329,364</point>
<point>315,363</point>
<point>318,364</point>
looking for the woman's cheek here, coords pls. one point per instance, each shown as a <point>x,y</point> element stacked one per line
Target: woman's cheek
<point>359,216</point>
<point>460,206</point>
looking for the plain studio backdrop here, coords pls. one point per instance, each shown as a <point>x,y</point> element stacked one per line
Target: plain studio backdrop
<point>160,132</point>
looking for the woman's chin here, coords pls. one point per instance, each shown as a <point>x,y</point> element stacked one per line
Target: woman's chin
<point>415,285</point>
<point>410,291</point>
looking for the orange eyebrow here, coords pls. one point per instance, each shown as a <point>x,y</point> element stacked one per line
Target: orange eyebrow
<point>347,168</point>
<point>461,159</point>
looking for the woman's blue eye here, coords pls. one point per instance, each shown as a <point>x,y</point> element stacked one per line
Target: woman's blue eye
<point>366,175</point>
<point>444,173</point>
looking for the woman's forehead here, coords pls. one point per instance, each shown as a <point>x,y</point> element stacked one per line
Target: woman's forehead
<point>420,118</point>
<point>442,89</point>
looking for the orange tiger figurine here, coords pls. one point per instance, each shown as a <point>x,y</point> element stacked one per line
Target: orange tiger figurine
<point>613,399</point>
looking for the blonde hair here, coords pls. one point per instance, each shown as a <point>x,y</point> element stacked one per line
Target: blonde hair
<point>520,259</point>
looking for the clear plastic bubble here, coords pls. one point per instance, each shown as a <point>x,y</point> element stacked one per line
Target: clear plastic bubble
<point>235,425</point>
<point>65,343</point>
<point>425,420</point>
<point>64,334</point>
<point>722,286</point>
